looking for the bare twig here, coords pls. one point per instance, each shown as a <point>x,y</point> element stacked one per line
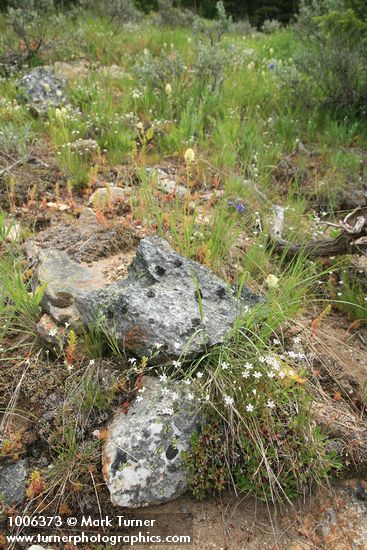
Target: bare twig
<point>352,239</point>
<point>11,166</point>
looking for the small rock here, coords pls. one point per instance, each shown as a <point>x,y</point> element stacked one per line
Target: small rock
<point>170,186</point>
<point>64,277</point>
<point>142,462</point>
<point>105,196</point>
<point>354,199</point>
<point>57,206</point>
<point>50,334</point>
<point>166,183</point>
<point>13,481</point>
<point>41,88</point>
<point>70,69</point>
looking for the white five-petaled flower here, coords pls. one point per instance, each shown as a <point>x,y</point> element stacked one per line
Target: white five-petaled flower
<point>257,374</point>
<point>245,374</point>
<point>249,407</point>
<point>139,398</point>
<point>176,364</point>
<point>225,365</point>
<point>228,401</point>
<point>270,404</point>
<point>174,396</point>
<point>187,381</point>
<point>142,390</point>
<point>271,374</point>
<point>199,374</point>
<point>190,396</point>
<point>132,360</point>
<point>157,345</point>
<point>163,377</point>
<point>168,410</point>
<point>248,366</point>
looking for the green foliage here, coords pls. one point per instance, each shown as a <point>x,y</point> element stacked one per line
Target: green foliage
<point>259,434</point>
<point>334,65</point>
<point>27,18</point>
<point>158,71</point>
<point>171,16</point>
<point>214,30</point>
<point>120,11</point>
<point>351,296</point>
<point>206,461</point>
<point>20,307</point>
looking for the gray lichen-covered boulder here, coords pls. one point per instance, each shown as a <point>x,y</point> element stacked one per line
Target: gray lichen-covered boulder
<point>13,481</point>
<point>142,461</point>
<point>166,300</point>
<point>41,89</point>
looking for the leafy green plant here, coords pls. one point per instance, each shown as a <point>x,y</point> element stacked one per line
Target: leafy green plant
<point>27,18</point>
<point>334,63</point>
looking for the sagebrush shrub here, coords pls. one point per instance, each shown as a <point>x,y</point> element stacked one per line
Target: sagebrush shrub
<point>270,26</point>
<point>121,11</point>
<point>170,16</point>
<point>333,66</point>
<point>158,71</point>
<point>27,19</point>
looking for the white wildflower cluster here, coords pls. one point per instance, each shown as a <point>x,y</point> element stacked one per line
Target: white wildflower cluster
<point>8,107</point>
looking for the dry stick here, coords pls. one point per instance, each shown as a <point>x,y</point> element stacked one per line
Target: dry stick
<point>28,158</point>
<point>352,240</point>
<point>11,166</point>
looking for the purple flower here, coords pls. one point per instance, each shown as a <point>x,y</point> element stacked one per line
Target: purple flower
<point>272,66</point>
<point>238,206</point>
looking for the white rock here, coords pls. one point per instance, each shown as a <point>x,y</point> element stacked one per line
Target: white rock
<point>142,462</point>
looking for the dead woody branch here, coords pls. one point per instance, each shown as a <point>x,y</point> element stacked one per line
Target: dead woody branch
<point>352,238</point>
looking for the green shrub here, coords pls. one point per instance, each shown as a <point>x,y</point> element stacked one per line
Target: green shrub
<point>333,66</point>
<point>121,11</point>
<point>170,16</point>
<point>270,26</point>
<point>27,20</point>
